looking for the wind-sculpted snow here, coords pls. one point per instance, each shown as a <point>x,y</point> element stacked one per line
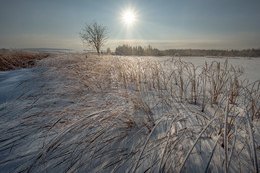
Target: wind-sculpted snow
<point>128,114</point>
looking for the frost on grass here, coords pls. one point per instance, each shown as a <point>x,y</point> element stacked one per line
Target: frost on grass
<point>121,114</point>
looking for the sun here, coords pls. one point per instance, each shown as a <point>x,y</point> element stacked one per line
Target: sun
<point>128,17</point>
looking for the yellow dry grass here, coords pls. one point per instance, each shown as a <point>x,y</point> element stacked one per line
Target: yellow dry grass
<point>11,60</point>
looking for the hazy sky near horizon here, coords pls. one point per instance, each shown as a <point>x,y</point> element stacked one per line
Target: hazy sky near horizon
<point>205,24</point>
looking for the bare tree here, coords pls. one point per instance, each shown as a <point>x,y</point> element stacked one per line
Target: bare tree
<point>94,35</point>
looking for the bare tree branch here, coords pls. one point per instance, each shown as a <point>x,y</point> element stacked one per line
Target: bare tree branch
<point>94,35</point>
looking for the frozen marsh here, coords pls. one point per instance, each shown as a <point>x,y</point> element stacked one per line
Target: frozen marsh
<point>131,114</point>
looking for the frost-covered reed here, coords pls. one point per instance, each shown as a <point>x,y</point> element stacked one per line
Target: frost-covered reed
<point>130,114</point>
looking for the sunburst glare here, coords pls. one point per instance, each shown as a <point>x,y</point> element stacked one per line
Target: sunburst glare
<point>129,17</point>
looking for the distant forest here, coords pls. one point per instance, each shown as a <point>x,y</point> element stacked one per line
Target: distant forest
<point>149,51</point>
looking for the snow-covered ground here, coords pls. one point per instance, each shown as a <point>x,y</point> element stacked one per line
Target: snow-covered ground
<point>127,114</point>
<point>250,65</point>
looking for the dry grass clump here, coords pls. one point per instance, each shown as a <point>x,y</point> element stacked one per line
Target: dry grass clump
<point>136,115</point>
<point>164,100</point>
<point>11,60</point>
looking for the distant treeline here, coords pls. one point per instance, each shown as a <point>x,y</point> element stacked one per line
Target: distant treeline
<point>138,50</point>
<point>149,51</point>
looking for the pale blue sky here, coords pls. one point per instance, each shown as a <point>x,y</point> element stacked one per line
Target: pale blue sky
<point>219,24</point>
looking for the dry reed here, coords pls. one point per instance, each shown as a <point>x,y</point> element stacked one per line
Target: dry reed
<point>122,114</point>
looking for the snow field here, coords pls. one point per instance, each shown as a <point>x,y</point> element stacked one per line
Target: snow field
<point>130,114</point>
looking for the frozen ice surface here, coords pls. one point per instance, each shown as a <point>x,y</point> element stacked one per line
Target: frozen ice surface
<point>10,80</point>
